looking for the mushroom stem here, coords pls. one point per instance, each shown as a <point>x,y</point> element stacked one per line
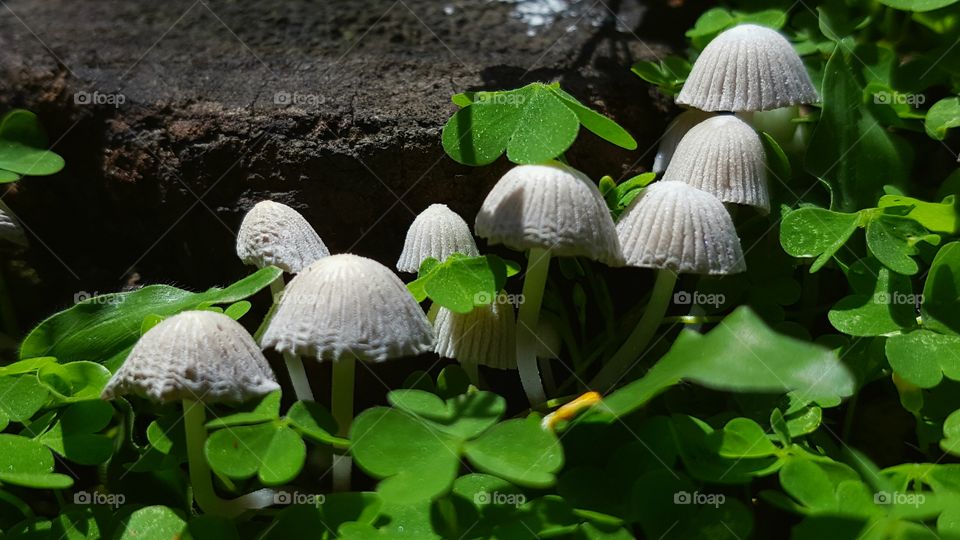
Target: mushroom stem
<point>341,404</point>
<point>623,360</point>
<point>528,318</point>
<point>194,418</point>
<point>295,369</point>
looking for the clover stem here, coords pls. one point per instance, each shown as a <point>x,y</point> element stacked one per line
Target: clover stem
<point>341,404</point>
<point>528,318</point>
<point>295,369</point>
<point>623,360</point>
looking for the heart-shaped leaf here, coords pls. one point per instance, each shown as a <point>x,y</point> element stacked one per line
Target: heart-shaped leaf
<point>416,461</point>
<point>74,435</point>
<point>28,463</point>
<point>518,450</point>
<point>271,451</point>
<point>816,232</point>
<point>923,357</point>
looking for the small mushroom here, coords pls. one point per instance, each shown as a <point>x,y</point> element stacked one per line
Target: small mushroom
<point>344,308</point>
<point>673,228</point>
<point>674,134</point>
<point>273,234</point>
<point>747,68</point>
<point>437,232</point>
<point>10,229</point>
<point>550,210</point>
<point>485,336</point>
<point>198,357</point>
<point>723,156</point>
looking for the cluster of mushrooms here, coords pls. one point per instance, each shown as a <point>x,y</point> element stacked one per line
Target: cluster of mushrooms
<point>343,308</point>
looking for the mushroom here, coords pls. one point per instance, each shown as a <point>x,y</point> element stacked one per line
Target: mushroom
<point>485,336</point>
<point>674,133</point>
<point>344,308</point>
<point>673,228</point>
<point>10,229</point>
<point>273,234</point>
<point>549,210</point>
<point>747,68</point>
<point>437,232</point>
<point>723,156</point>
<point>197,358</point>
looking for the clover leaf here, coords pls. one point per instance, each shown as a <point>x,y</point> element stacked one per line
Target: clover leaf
<point>923,357</point>
<point>882,302</point>
<point>75,434</point>
<point>816,232</point>
<point>22,153</point>
<point>460,283</point>
<point>28,463</point>
<point>414,460</point>
<point>940,308</point>
<point>271,451</point>
<point>518,450</point>
<point>533,124</point>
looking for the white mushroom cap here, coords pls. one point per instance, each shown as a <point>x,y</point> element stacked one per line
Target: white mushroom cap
<point>747,68</point>
<point>485,336</point>
<point>550,206</point>
<point>10,229</point>
<point>674,226</point>
<point>437,232</point>
<point>273,234</point>
<point>200,355</point>
<point>723,156</point>
<point>674,133</point>
<point>347,305</point>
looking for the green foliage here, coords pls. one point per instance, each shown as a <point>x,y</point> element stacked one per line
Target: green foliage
<point>460,283</point>
<point>532,124</point>
<point>22,143</point>
<point>104,328</point>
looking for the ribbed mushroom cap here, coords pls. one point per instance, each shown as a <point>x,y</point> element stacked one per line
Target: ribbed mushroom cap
<point>674,226</point>
<point>275,234</point>
<point>345,305</point>
<point>674,133</point>
<point>747,68</point>
<point>10,229</point>
<point>550,206</point>
<point>723,156</point>
<point>437,232</point>
<point>200,355</point>
<point>485,336</point>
